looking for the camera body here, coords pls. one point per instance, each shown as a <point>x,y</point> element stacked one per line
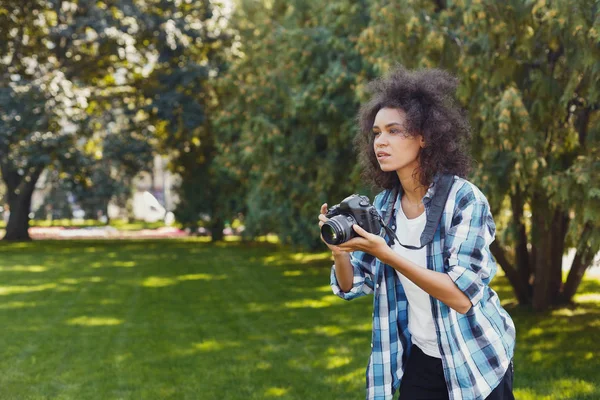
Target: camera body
<point>354,209</point>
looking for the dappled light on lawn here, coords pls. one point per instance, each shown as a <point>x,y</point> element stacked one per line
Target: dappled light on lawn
<point>201,277</point>
<point>297,258</point>
<point>190,319</point>
<point>8,290</point>
<point>160,281</point>
<point>94,321</point>
<point>209,345</point>
<point>333,362</point>
<point>19,304</point>
<point>121,264</point>
<point>588,298</point>
<point>214,345</point>
<point>351,377</point>
<point>24,268</point>
<point>325,301</point>
<point>275,392</point>
<point>560,389</point>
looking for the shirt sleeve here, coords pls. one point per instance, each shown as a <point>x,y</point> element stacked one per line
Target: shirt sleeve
<point>470,263</point>
<point>363,266</point>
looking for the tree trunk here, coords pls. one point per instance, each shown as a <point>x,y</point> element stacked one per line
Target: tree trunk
<point>20,189</point>
<point>540,238</point>
<point>105,212</point>
<point>560,226</point>
<point>216,228</point>
<point>522,261</point>
<point>584,256</point>
<point>17,228</point>
<point>521,288</point>
<point>549,238</point>
<point>542,269</point>
<point>583,259</point>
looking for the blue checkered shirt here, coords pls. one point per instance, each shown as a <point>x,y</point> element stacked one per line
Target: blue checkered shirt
<point>476,347</point>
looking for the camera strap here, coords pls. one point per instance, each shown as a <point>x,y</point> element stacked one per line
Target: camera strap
<point>434,216</point>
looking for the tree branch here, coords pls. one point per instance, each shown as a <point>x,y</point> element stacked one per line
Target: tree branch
<point>521,253</point>
<point>440,5</point>
<point>582,124</point>
<point>27,183</point>
<point>583,259</point>
<point>520,288</point>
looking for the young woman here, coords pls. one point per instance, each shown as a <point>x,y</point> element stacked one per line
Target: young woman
<point>439,331</point>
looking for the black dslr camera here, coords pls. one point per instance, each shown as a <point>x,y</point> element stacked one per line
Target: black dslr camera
<point>352,210</point>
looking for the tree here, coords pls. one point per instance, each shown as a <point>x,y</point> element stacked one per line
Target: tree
<point>57,203</point>
<point>529,73</point>
<point>187,43</point>
<point>107,172</point>
<point>57,59</point>
<point>287,123</point>
<point>142,56</point>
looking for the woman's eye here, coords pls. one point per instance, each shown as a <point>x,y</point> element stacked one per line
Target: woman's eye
<point>376,133</point>
<point>399,132</point>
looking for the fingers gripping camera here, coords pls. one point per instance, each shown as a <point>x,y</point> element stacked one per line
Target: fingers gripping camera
<point>352,210</point>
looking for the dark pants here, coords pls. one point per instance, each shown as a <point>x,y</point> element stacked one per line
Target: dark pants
<point>424,380</point>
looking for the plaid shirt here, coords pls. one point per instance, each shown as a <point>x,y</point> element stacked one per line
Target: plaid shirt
<point>476,347</point>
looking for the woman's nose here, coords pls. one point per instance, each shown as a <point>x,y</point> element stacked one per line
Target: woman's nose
<point>381,140</point>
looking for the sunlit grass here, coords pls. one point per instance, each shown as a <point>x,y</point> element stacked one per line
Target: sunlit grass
<point>187,319</point>
<point>94,321</point>
<point>24,268</point>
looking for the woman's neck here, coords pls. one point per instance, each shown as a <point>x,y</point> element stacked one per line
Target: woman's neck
<point>412,187</point>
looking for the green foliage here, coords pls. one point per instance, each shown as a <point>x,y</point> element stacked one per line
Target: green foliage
<point>256,110</point>
<point>52,52</point>
<point>108,172</point>
<point>59,66</point>
<point>174,100</point>
<point>529,73</point>
<point>288,117</point>
<point>128,75</point>
<point>56,204</point>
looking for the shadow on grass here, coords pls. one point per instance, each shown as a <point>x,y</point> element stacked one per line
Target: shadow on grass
<point>183,319</point>
<point>556,352</point>
<point>174,319</point>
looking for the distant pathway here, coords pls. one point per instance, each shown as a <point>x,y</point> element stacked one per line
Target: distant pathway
<point>106,232</point>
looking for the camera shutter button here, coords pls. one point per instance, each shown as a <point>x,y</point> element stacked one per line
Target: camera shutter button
<point>363,203</point>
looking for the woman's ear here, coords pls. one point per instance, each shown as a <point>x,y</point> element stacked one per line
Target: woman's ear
<point>422,142</point>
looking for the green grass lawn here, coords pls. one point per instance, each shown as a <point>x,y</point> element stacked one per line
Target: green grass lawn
<point>183,319</point>
<point>73,223</point>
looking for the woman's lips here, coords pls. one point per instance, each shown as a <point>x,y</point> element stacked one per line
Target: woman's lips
<point>381,155</point>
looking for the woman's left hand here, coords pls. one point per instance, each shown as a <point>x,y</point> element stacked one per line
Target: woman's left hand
<point>372,244</point>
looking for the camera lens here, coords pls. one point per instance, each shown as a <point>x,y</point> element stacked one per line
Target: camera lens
<point>329,234</point>
<point>338,229</point>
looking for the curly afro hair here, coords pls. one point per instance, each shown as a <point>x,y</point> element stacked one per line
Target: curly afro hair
<point>428,98</point>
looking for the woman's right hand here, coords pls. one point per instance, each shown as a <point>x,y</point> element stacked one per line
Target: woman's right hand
<point>322,219</point>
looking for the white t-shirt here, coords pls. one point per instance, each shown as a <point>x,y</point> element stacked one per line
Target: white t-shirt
<point>420,317</point>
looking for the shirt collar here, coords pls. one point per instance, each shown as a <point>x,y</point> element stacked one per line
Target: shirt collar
<point>428,195</point>
<point>432,188</point>
<point>426,199</point>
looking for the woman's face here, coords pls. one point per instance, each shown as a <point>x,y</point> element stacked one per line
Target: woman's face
<point>395,148</point>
